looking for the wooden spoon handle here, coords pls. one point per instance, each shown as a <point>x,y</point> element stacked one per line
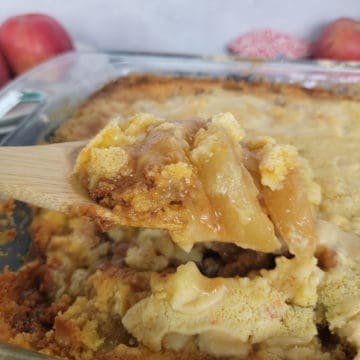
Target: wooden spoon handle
<point>39,174</point>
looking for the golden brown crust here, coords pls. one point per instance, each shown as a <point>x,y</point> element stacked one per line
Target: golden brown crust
<point>25,316</point>
<point>107,102</point>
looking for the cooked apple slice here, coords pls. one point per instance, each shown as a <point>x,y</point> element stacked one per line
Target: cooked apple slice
<point>218,158</point>
<point>291,212</point>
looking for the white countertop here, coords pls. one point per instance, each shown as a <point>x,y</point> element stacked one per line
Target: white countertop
<point>185,26</point>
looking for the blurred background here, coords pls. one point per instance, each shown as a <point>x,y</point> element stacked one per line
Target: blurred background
<point>186,26</point>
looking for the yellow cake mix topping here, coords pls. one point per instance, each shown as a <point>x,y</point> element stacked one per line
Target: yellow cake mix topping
<point>277,304</point>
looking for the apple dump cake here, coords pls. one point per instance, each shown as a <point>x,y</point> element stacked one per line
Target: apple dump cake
<point>239,207</point>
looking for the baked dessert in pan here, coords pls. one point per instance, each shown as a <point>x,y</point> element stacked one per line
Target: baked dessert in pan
<point>243,209</point>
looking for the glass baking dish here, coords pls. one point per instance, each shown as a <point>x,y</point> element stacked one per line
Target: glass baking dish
<point>62,84</point>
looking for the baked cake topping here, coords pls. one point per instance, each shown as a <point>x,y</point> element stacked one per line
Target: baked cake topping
<point>278,304</point>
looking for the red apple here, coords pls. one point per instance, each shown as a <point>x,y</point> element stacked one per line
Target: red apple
<point>340,40</point>
<point>4,71</point>
<point>27,40</point>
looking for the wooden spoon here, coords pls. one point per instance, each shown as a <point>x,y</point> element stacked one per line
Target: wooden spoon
<point>41,175</point>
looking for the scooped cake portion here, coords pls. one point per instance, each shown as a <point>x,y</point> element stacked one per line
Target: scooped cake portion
<point>200,181</point>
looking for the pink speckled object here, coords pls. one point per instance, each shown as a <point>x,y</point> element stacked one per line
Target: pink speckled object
<point>269,44</point>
